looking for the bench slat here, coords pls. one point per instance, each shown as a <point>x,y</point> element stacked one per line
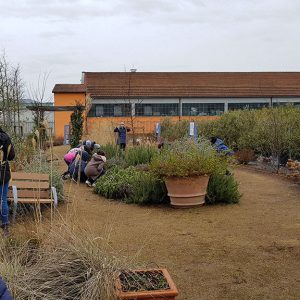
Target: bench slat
<point>34,201</point>
<point>37,194</point>
<point>30,184</point>
<point>29,176</point>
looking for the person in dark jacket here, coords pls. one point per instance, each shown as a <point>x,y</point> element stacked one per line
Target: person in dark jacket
<point>122,133</point>
<point>76,168</point>
<point>7,153</point>
<point>4,292</point>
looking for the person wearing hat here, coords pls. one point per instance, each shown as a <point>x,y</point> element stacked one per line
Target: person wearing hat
<point>122,132</point>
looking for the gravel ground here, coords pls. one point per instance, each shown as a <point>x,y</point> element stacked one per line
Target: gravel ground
<point>246,251</point>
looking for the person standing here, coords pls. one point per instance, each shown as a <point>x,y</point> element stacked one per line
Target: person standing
<point>122,133</point>
<point>7,153</point>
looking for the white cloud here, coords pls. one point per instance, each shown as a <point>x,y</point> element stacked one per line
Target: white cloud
<point>70,36</point>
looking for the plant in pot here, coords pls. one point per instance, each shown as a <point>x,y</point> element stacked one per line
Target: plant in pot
<point>186,166</point>
<point>146,284</point>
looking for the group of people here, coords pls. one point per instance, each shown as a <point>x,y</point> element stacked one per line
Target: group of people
<point>85,163</point>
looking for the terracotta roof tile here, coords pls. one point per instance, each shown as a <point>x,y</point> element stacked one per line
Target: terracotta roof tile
<point>69,88</point>
<point>192,84</point>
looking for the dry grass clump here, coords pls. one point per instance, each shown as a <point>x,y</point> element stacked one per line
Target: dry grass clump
<point>65,263</point>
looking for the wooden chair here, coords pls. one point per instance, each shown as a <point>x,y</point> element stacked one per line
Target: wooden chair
<point>31,188</point>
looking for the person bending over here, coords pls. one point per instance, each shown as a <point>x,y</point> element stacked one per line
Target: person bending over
<point>94,168</point>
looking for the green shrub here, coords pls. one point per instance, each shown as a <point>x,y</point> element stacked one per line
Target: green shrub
<point>111,150</point>
<point>38,166</point>
<point>116,183</point>
<point>117,161</point>
<point>132,186</point>
<point>139,155</point>
<point>222,188</point>
<point>186,157</point>
<point>148,189</point>
<point>77,125</point>
<point>174,131</point>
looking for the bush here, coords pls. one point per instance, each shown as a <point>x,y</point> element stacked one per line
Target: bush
<point>77,125</point>
<point>111,150</point>
<point>139,155</point>
<point>38,166</point>
<point>116,183</point>
<point>132,186</point>
<point>244,156</point>
<point>148,189</point>
<point>222,188</point>
<point>171,131</point>
<point>186,157</point>
<point>117,161</point>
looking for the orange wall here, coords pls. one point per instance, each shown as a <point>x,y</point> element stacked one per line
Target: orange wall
<point>100,129</point>
<point>62,118</point>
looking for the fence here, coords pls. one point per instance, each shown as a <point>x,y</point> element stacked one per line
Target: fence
<point>25,128</point>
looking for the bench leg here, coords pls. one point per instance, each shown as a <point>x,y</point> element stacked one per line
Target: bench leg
<point>15,195</point>
<point>54,195</point>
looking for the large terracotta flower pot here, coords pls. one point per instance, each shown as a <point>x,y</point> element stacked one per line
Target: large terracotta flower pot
<point>187,192</point>
<point>166,294</point>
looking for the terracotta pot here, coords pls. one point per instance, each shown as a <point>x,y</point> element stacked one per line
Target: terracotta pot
<point>187,192</point>
<point>169,294</point>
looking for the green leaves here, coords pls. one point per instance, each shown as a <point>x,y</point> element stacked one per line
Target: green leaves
<point>132,186</point>
<point>76,125</point>
<point>222,188</point>
<point>186,157</point>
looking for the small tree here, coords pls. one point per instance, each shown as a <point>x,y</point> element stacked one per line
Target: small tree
<point>77,125</point>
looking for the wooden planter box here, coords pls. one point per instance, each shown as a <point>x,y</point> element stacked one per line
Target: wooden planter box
<point>169,294</point>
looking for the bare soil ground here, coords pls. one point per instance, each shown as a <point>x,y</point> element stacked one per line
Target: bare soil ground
<point>246,251</point>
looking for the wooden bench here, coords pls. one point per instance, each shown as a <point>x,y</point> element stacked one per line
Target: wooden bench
<point>31,188</point>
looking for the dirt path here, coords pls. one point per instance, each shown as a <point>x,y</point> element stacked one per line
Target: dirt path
<point>245,251</point>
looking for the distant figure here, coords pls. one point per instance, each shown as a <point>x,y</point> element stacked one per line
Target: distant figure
<point>94,168</point>
<point>160,143</point>
<point>219,145</point>
<point>7,153</point>
<point>4,292</point>
<point>122,133</point>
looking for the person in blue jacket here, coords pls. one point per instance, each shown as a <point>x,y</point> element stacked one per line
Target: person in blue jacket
<point>122,133</point>
<point>219,145</point>
<point>4,292</point>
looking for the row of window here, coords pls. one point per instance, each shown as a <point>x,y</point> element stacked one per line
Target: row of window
<point>172,109</point>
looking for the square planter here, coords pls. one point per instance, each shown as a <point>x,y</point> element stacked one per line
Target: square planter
<point>163,294</point>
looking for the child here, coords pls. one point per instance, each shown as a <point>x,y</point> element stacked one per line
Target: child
<point>94,168</point>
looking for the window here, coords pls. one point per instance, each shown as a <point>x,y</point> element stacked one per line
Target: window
<point>109,110</point>
<point>236,106</point>
<point>202,109</point>
<point>99,110</point>
<point>156,109</point>
<point>118,110</point>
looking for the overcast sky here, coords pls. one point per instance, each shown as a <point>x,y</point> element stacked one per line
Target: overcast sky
<point>66,37</point>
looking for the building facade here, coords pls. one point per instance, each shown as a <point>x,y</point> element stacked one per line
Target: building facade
<point>110,97</point>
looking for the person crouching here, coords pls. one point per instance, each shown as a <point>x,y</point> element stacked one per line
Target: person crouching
<point>94,168</point>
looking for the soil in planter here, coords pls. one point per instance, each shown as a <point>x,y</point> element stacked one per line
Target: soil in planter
<point>143,281</point>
